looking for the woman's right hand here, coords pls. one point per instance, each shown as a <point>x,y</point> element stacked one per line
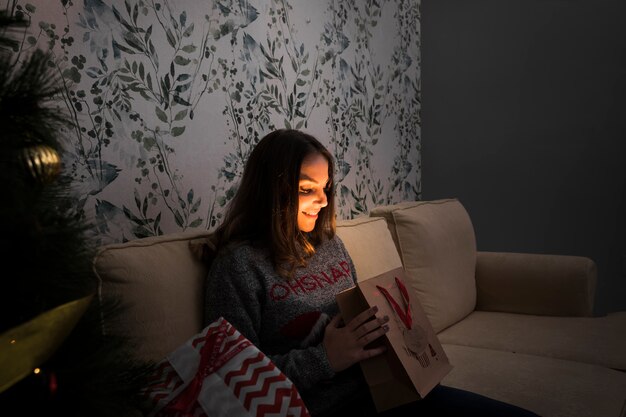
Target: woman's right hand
<point>345,345</point>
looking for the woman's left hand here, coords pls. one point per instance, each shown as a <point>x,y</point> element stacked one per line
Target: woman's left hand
<point>345,345</point>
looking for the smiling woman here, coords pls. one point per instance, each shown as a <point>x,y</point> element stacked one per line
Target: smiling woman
<point>280,265</point>
<point>285,200</point>
<point>278,269</point>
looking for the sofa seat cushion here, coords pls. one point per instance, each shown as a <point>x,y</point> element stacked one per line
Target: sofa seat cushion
<point>369,243</point>
<point>549,387</point>
<point>159,283</point>
<point>594,340</point>
<point>437,246</point>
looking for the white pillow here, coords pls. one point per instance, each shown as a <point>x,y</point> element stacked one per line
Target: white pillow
<point>437,246</point>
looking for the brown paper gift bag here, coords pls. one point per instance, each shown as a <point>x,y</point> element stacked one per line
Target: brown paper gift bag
<point>415,361</point>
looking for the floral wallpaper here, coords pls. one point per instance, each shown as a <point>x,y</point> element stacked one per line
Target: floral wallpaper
<point>169,97</point>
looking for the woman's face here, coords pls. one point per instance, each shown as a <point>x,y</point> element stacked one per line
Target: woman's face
<point>312,190</point>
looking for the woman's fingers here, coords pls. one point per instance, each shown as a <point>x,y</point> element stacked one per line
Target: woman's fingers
<point>370,326</point>
<point>336,321</point>
<point>366,322</point>
<point>372,335</point>
<point>370,353</point>
<point>362,317</point>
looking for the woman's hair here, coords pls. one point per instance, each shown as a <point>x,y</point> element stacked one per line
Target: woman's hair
<point>264,209</point>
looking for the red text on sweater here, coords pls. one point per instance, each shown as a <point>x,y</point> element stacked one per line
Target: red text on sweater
<point>309,283</point>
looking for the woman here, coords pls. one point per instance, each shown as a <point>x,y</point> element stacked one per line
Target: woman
<point>278,269</point>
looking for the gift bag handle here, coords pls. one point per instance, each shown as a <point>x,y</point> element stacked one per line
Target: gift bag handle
<point>404,314</point>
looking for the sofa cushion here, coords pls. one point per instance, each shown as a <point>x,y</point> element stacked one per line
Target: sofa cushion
<point>437,247</point>
<point>595,340</point>
<point>370,245</point>
<point>159,282</point>
<point>549,387</point>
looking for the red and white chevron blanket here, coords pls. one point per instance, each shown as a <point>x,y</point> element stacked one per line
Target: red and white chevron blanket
<point>219,372</point>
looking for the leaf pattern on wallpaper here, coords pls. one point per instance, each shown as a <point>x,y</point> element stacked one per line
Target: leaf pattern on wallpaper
<point>133,76</point>
<point>142,75</point>
<point>406,105</point>
<point>356,105</point>
<point>170,87</point>
<point>237,14</point>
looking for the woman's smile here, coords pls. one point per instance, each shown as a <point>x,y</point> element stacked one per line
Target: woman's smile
<point>312,190</point>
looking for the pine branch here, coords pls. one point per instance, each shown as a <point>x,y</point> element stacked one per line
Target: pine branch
<point>43,239</point>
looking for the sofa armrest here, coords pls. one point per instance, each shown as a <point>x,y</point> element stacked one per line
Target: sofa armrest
<point>551,285</point>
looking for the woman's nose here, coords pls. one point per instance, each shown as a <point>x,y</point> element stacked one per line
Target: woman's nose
<point>322,198</point>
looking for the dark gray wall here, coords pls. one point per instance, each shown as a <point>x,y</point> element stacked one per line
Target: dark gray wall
<point>524,120</point>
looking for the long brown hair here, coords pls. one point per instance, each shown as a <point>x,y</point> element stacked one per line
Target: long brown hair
<point>264,209</point>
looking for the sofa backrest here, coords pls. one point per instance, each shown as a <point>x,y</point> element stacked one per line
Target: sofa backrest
<point>370,246</point>
<point>437,246</point>
<point>159,281</point>
<point>159,284</point>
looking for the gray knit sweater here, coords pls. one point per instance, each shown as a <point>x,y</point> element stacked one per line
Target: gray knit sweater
<point>286,319</point>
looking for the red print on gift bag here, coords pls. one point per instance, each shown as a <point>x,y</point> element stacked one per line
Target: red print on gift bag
<point>415,337</point>
<point>221,373</point>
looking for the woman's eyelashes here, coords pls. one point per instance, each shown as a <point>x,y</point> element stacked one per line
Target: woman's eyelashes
<point>307,190</point>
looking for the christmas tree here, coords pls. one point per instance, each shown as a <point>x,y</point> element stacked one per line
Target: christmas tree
<point>54,357</point>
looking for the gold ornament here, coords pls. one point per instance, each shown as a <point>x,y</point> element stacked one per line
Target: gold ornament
<point>42,162</point>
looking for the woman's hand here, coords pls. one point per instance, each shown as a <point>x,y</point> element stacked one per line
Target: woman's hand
<point>345,345</point>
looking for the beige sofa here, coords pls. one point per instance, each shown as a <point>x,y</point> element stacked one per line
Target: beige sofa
<point>516,327</point>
